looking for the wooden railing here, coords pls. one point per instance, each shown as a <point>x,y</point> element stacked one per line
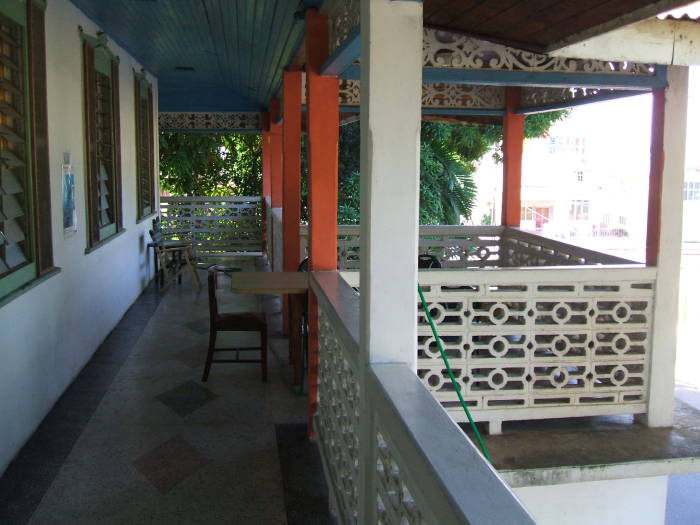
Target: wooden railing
<point>214,225</point>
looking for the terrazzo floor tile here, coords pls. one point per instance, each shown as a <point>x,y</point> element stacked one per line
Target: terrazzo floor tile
<point>163,447</point>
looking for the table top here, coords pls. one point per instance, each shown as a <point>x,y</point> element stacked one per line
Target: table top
<point>270,282</point>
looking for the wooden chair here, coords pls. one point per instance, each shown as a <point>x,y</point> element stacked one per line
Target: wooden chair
<point>172,258</point>
<point>233,322</point>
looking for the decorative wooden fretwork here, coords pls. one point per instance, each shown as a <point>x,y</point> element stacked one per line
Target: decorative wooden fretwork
<point>439,95</point>
<point>343,18</point>
<point>15,244</point>
<point>542,96</point>
<point>338,419</point>
<point>443,49</point>
<point>223,121</point>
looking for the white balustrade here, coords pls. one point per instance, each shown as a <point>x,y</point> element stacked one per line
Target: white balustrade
<point>423,468</point>
<point>475,247</point>
<point>214,224</point>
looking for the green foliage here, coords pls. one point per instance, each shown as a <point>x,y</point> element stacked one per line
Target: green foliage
<point>230,164</point>
<point>210,164</point>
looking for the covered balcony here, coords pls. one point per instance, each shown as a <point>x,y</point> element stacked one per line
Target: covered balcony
<point>565,354</point>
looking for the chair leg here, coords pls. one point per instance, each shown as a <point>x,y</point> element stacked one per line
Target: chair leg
<point>210,354</point>
<point>263,353</point>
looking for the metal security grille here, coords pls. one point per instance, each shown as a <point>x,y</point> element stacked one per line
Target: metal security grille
<point>105,145</point>
<point>14,177</point>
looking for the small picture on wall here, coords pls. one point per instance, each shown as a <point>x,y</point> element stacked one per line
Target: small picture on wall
<point>70,222</point>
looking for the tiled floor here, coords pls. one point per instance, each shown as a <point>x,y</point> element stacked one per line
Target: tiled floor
<point>163,447</point>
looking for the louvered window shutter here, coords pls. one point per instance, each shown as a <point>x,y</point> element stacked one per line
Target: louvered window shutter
<point>143,103</point>
<point>103,174</point>
<point>16,253</point>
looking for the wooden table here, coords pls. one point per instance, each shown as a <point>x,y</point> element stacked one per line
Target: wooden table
<point>293,284</point>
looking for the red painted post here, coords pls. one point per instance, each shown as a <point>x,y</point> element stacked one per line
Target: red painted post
<point>513,137</point>
<point>291,191</point>
<point>291,181</point>
<point>322,128</point>
<point>656,171</point>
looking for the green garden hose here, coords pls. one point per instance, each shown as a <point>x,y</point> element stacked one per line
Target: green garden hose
<point>452,376</point>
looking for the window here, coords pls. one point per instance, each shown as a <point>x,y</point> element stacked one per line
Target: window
<point>103,170</point>
<point>578,211</point>
<point>691,191</point>
<point>25,199</point>
<point>143,103</point>
<point>525,213</point>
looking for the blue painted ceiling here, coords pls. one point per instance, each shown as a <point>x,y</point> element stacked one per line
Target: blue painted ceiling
<point>238,48</point>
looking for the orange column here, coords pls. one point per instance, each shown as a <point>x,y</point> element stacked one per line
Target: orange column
<point>291,190</point>
<point>656,167</point>
<point>275,154</point>
<point>322,128</point>
<point>513,137</point>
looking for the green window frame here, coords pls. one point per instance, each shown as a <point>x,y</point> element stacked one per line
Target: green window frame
<point>103,153</point>
<point>145,150</point>
<point>25,199</point>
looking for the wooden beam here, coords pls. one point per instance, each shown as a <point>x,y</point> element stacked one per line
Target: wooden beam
<point>513,137</point>
<point>322,129</point>
<point>291,191</point>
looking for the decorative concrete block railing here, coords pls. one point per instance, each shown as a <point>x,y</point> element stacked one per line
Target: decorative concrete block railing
<point>538,342</point>
<point>214,225</point>
<point>475,247</point>
<point>391,455</point>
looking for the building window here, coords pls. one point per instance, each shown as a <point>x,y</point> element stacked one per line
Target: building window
<point>578,211</point>
<point>103,170</point>
<point>145,183</point>
<point>691,191</point>
<point>25,199</point>
<point>525,213</point>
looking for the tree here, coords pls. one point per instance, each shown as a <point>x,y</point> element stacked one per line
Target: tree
<point>230,164</point>
<point>210,164</point>
<point>448,158</point>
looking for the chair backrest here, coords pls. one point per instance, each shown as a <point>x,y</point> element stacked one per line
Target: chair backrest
<point>428,261</point>
<point>212,282</point>
<point>157,231</point>
<point>303,265</point>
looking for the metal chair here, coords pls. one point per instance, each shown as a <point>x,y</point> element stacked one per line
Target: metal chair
<point>233,322</point>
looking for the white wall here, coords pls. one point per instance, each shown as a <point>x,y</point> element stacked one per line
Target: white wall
<point>632,501</point>
<point>50,332</point>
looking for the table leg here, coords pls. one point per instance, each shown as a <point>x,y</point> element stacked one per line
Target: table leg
<point>295,342</point>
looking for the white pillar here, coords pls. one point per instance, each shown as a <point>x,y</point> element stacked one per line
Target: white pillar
<point>663,355</point>
<point>390,118</point>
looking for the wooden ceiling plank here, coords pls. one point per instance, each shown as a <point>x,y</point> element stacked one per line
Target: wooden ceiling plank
<point>432,7</point>
<point>522,13</point>
<point>565,12</point>
<point>447,14</point>
<point>483,13</point>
